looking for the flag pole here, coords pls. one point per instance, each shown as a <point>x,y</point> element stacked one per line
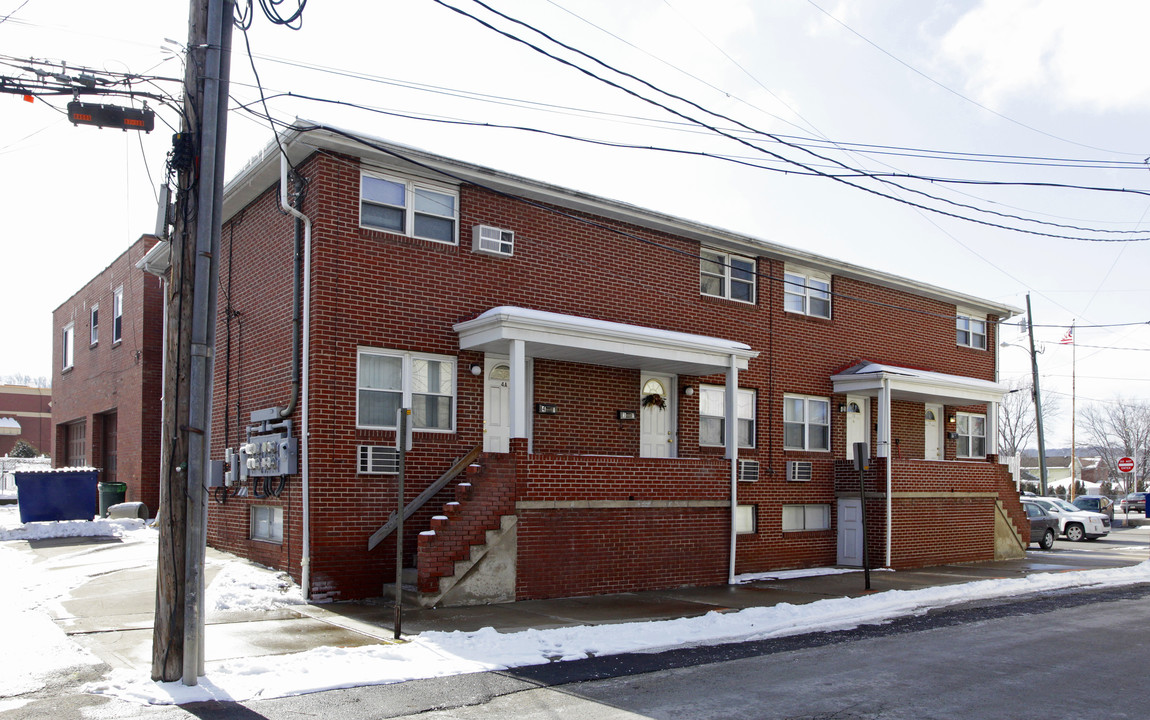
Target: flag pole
<point>1073,400</point>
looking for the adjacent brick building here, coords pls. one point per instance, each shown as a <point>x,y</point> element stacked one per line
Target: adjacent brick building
<point>25,414</point>
<point>107,376</point>
<point>633,400</point>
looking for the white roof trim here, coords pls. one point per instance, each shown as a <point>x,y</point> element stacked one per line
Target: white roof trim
<point>598,342</point>
<point>918,385</point>
<point>300,141</point>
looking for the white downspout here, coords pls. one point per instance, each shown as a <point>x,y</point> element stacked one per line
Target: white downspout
<point>889,462</point>
<point>305,498</point>
<point>732,440</point>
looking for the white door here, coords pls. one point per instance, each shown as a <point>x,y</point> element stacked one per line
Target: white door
<point>656,410</point>
<point>857,423</point>
<point>933,429</point>
<point>497,405</point>
<point>850,545</point>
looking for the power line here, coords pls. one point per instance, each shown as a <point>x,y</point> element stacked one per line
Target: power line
<point>947,88</point>
<point>774,138</point>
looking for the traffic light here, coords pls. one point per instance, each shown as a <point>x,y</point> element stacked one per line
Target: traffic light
<point>113,116</point>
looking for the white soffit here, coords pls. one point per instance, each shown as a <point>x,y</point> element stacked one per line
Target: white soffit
<point>917,385</point>
<point>597,342</point>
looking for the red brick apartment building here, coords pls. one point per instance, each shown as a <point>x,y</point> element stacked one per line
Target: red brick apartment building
<point>603,398</point>
<point>107,376</point>
<point>25,414</point>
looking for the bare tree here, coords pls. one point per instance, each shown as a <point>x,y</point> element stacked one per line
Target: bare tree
<point>1017,424</point>
<point>1116,429</point>
<point>26,380</point>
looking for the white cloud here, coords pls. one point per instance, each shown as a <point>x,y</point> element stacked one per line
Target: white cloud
<point>1084,56</point>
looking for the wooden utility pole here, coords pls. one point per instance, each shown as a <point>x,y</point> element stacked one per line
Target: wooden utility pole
<point>198,159</point>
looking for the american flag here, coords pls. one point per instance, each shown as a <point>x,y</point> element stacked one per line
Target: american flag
<point>1068,338</point>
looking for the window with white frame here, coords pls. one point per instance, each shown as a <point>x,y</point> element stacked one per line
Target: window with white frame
<point>806,517</point>
<point>94,324</point>
<point>267,523</point>
<point>745,520</point>
<point>67,350</point>
<point>727,276</point>
<point>971,435</point>
<point>970,331</point>
<point>406,207</point>
<point>387,380</point>
<point>118,315</point>
<point>806,423</point>
<point>713,415</point>
<point>807,292</point>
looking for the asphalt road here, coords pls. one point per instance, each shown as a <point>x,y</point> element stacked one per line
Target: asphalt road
<point>1055,655</point>
<point>1058,655</point>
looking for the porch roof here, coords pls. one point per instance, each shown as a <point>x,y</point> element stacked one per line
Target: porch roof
<point>917,385</point>
<point>597,342</point>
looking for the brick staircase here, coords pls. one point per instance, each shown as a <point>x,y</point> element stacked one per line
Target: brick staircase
<point>467,556</point>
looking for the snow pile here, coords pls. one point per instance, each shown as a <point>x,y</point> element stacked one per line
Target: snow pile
<point>440,654</point>
<point>242,586</point>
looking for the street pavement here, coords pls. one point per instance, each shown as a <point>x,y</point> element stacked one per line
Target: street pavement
<point>111,613</point>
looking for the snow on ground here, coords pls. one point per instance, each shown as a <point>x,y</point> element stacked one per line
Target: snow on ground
<point>439,654</point>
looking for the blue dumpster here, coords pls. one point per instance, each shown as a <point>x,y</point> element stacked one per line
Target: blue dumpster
<point>50,495</point>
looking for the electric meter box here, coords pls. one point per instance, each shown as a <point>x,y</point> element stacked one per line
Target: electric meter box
<point>268,456</point>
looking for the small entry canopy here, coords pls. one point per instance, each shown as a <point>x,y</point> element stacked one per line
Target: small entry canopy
<point>597,342</point>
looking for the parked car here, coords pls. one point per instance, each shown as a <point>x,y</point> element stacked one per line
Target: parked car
<point>1043,526</point>
<point>1096,503</point>
<point>1134,502</point>
<point>1074,523</point>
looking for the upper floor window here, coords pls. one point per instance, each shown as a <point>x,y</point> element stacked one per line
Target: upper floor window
<point>970,331</point>
<point>95,325</point>
<point>388,380</point>
<point>727,276</point>
<point>713,414</point>
<point>806,423</point>
<point>118,315</point>
<point>410,208</point>
<point>971,435</point>
<point>807,293</point>
<point>66,341</point>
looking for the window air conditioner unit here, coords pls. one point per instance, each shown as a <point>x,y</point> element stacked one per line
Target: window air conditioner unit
<point>799,470</point>
<point>378,460</point>
<point>748,470</point>
<point>492,241</point>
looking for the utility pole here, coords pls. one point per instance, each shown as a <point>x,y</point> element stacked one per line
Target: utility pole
<point>198,158</point>
<point>1037,398</point>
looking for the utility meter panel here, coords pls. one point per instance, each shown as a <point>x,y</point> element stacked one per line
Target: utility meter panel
<point>268,455</point>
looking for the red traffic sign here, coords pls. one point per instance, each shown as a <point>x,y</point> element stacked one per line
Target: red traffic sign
<point>1126,464</point>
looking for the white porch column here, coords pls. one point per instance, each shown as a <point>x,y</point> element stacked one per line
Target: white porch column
<point>992,428</point>
<point>518,400</point>
<point>883,448</point>
<point>732,411</point>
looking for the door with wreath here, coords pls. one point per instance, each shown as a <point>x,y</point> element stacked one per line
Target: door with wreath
<point>656,414</point>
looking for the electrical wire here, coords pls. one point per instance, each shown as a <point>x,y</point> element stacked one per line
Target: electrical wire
<point>619,231</point>
<point>746,143</point>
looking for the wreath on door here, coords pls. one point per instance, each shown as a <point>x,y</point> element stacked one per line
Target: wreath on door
<point>655,399</point>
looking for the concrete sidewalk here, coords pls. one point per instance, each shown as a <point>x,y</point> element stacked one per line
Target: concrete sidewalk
<point>111,613</point>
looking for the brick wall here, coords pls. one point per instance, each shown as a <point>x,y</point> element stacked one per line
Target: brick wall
<point>946,512</point>
<point>381,290</point>
<point>108,377</point>
<point>32,408</point>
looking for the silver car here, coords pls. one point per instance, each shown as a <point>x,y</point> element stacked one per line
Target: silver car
<point>1075,524</point>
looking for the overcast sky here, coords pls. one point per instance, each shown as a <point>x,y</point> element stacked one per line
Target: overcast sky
<point>1037,79</point>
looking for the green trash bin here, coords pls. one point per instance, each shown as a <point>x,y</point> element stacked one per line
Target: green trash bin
<point>111,493</point>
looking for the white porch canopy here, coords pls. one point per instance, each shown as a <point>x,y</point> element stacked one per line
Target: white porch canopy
<point>889,382</point>
<point>597,342</point>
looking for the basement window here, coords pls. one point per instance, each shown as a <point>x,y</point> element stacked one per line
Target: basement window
<point>267,523</point>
